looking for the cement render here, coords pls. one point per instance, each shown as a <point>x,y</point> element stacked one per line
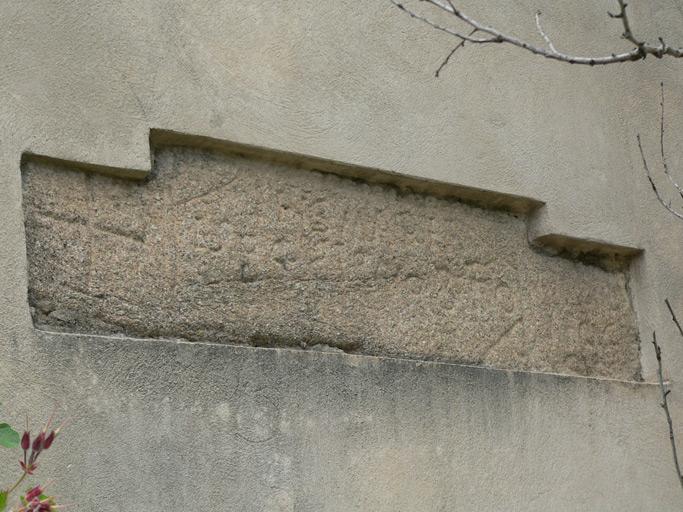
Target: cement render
<point>349,82</point>
<point>234,250</point>
<point>159,424</point>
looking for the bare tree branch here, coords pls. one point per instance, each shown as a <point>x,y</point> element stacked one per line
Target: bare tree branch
<point>652,183</point>
<point>641,50</point>
<point>543,34</point>
<point>661,146</point>
<point>441,27</point>
<point>623,16</point>
<point>673,316</point>
<point>448,57</point>
<point>664,203</point>
<point>665,405</point>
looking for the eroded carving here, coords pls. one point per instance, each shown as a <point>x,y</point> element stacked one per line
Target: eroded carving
<point>228,249</point>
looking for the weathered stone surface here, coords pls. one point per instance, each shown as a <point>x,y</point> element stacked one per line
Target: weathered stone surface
<point>235,250</point>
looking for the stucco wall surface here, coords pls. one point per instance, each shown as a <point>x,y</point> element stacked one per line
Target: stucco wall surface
<point>190,426</point>
<point>350,82</point>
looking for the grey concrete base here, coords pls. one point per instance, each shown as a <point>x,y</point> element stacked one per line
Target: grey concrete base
<point>165,425</point>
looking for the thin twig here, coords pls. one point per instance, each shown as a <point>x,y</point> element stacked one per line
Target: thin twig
<point>448,57</point>
<point>661,145</point>
<point>543,34</point>
<point>623,16</point>
<point>673,316</point>
<point>665,405</point>
<point>652,182</point>
<point>441,27</point>
<point>641,50</point>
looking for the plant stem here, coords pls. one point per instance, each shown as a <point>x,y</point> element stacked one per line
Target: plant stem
<point>17,483</point>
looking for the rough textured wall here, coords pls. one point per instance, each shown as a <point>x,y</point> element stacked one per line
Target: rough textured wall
<point>222,428</point>
<point>235,250</point>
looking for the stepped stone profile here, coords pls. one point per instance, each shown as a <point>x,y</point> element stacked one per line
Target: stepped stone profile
<point>224,248</point>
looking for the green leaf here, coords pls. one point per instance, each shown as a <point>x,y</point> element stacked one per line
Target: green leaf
<point>9,438</point>
<point>3,500</point>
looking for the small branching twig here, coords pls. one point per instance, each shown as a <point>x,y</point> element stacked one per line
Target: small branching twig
<point>660,198</point>
<point>623,16</point>
<point>661,144</point>
<point>665,405</point>
<point>640,50</point>
<point>545,37</point>
<point>673,317</point>
<point>448,57</point>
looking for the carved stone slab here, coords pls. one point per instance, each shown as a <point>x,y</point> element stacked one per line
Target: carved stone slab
<point>228,249</point>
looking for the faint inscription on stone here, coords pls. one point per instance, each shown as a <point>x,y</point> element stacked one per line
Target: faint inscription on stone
<point>234,250</point>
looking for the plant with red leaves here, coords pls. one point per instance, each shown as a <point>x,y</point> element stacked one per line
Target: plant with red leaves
<point>34,499</point>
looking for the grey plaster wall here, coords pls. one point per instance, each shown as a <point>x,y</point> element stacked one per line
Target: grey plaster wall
<point>230,249</point>
<point>190,426</point>
<point>349,82</point>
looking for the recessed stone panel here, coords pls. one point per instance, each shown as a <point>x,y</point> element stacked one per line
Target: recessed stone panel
<point>228,249</point>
